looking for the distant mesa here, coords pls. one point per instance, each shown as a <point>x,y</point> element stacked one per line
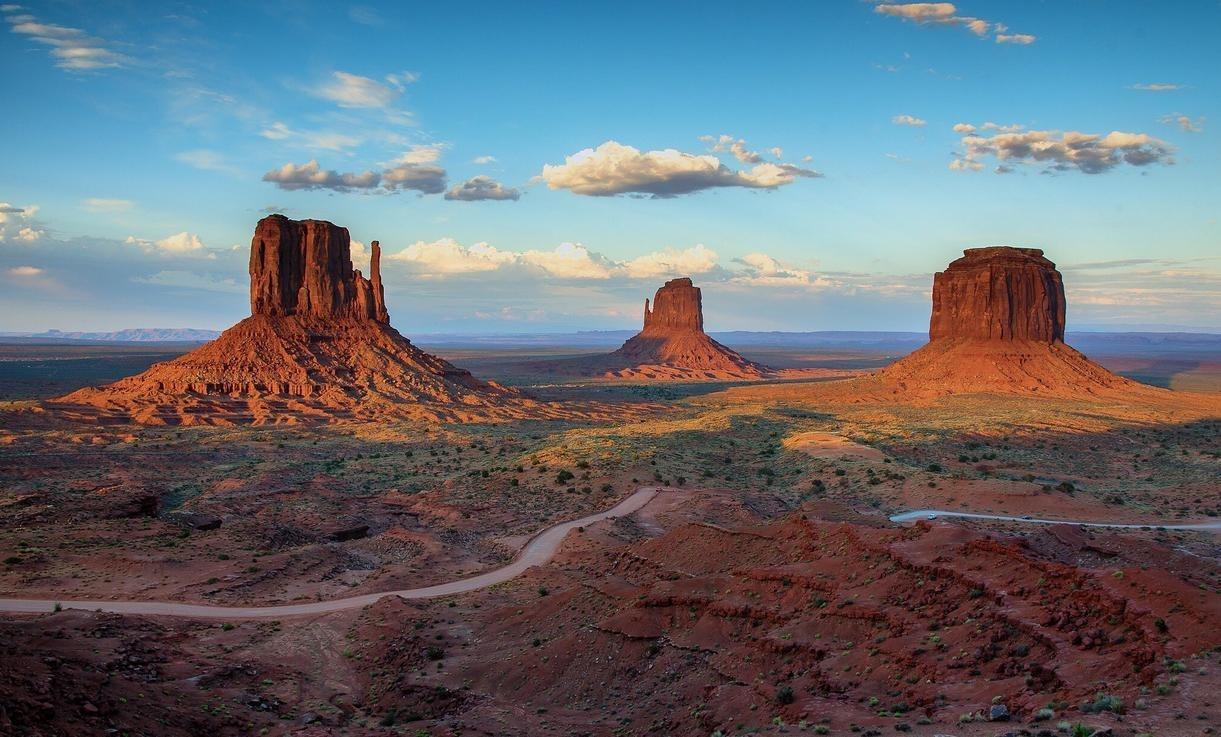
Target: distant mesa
<point>317,346</point>
<point>998,326</point>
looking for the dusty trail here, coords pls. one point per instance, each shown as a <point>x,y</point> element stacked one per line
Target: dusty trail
<point>538,551</point>
<point>924,513</point>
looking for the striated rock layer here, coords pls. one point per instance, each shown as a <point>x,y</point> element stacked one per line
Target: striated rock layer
<point>673,343</point>
<point>998,326</point>
<point>318,345</point>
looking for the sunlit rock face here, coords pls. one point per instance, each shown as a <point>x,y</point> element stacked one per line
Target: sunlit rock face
<point>999,293</point>
<point>304,267</point>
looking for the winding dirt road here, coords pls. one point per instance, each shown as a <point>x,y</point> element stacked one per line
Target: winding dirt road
<point>924,514</point>
<point>538,551</point>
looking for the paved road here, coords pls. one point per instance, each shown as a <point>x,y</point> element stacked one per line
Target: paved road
<point>924,513</point>
<point>538,551</point>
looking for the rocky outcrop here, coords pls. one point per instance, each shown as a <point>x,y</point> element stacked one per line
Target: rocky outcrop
<point>304,267</point>
<point>999,293</point>
<point>997,326</point>
<point>317,346</point>
<point>677,308</point>
<point>673,344</point>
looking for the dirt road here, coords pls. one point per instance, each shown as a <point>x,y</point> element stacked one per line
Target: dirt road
<point>538,551</point>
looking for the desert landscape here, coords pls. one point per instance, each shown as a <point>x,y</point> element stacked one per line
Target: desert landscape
<point>900,444</point>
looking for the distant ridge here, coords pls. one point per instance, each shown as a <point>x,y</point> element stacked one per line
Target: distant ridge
<point>137,335</point>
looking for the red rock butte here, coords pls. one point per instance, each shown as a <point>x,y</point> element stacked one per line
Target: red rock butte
<point>998,326</point>
<point>673,343</point>
<point>317,346</point>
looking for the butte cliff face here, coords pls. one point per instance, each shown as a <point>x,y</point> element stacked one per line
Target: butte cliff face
<point>317,346</point>
<point>998,293</point>
<point>998,326</point>
<point>304,267</point>
<point>673,343</point>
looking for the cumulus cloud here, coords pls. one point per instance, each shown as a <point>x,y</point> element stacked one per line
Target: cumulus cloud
<point>183,243</point>
<point>725,144</point>
<point>17,223</point>
<point>1090,153</point>
<point>698,259</point>
<point>413,170</point>
<point>107,204</point>
<point>908,120</point>
<point>946,14</point>
<point>570,261</point>
<point>447,256</point>
<point>1157,87</point>
<point>24,271</point>
<point>613,168</point>
<point>1184,122</point>
<point>72,48</point>
<point>482,188</point>
<point>481,160</point>
<point>310,176</point>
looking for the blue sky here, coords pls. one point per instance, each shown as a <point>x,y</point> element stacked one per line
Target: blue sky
<point>545,167</point>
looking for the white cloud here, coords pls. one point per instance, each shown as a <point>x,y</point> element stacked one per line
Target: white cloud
<point>24,271</point>
<point>16,223</point>
<point>946,14</point>
<point>481,160</point>
<point>1157,87</point>
<point>1184,122</point>
<point>698,259</point>
<point>964,128</point>
<point>324,140</point>
<point>909,120</point>
<point>354,91</point>
<point>570,261</point>
<point>1060,151</point>
<point>726,144</point>
<point>613,168</point>
<point>179,243</point>
<point>106,204</point>
<point>482,188</point>
<point>72,48</point>
<point>447,256</point>
<point>1022,39</point>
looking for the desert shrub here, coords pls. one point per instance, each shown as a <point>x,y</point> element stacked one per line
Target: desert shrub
<point>434,653</point>
<point>784,694</point>
<point>934,467</point>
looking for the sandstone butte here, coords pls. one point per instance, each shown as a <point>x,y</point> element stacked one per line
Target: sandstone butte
<point>673,343</point>
<point>998,326</point>
<point>317,345</point>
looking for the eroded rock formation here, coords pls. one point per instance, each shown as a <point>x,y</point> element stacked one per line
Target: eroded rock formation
<point>999,293</point>
<point>304,267</point>
<point>998,326</point>
<point>673,343</point>
<point>678,307</point>
<point>318,345</point>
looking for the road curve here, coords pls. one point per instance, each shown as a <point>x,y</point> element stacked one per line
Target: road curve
<point>919,514</point>
<point>539,550</point>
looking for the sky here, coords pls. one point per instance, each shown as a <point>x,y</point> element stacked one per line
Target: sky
<point>544,167</point>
